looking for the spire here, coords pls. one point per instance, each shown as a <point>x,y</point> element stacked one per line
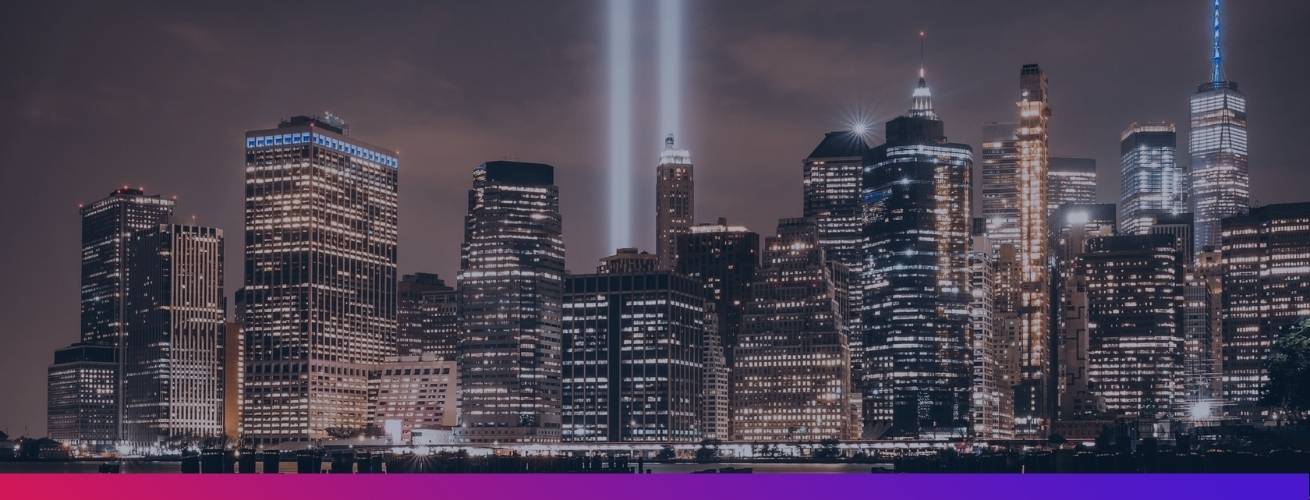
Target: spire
<point>1217,58</point>
<point>672,155</point>
<point>668,142</point>
<point>922,97</point>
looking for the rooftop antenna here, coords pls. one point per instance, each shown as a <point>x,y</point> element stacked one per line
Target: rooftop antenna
<point>1217,59</point>
<point>922,59</point>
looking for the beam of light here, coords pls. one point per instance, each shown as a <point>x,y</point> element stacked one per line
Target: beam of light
<point>670,69</point>
<point>620,124</point>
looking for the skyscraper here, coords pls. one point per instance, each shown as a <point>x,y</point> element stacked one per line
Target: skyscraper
<point>174,351</point>
<point>320,279</point>
<point>1221,185</point>
<point>511,284</point>
<point>107,227</point>
<point>1033,393</point>
<point>792,378</point>
<point>633,363</point>
<point>725,259</point>
<point>675,201</point>
<point>832,176</point>
<point>1071,227</point>
<point>427,317</point>
<point>987,418</point>
<point>917,232</point>
<point>82,396</point>
<point>1072,182</point>
<point>1266,255</point>
<point>1204,331</point>
<point>1000,184</point>
<point>1153,185</point>
<point>1135,336</point>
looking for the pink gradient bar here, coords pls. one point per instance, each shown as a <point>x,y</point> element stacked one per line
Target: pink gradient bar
<point>655,487</point>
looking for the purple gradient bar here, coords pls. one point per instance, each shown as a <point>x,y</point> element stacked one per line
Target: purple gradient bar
<point>659,487</point>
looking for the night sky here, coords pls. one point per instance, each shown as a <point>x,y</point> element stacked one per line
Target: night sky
<point>104,94</point>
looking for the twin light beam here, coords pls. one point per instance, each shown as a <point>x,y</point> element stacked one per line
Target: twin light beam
<point>621,193</point>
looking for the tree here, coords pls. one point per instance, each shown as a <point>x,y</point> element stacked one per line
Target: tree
<point>1289,366</point>
<point>3,436</point>
<point>829,450</point>
<point>666,453</point>
<point>708,451</point>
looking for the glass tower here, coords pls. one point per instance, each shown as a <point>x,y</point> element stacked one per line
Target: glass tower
<point>173,368</point>
<point>1221,184</point>
<point>1072,182</point>
<point>1152,184</point>
<point>633,339</point>
<point>320,279</point>
<point>427,317</point>
<point>916,281</point>
<point>511,285</point>
<point>107,227</point>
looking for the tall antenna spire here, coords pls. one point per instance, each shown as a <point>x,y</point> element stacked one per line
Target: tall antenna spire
<point>922,98</point>
<point>1217,72</point>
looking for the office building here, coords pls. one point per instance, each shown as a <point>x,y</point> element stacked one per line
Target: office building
<point>1204,330</point>
<point>791,375</point>
<point>233,367</point>
<point>1152,185</point>
<point>633,340</point>
<point>1000,184</point>
<point>1135,336</point>
<point>675,201</point>
<point>407,393</point>
<point>320,278</point>
<point>511,286</point>
<point>107,227</point>
<point>987,418</point>
<point>82,396</point>
<point>725,258</point>
<point>1266,292</point>
<point>427,317</point>
<point>173,354</point>
<point>1072,182</point>
<point>1217,143</point>
<point>1072,226</point>
<point>917,231</point>
<point>1034,394</point>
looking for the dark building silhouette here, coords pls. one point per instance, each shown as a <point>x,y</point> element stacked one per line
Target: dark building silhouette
<point>427,317</point>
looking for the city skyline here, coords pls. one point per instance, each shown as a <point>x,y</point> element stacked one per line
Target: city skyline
<point>723,151</point>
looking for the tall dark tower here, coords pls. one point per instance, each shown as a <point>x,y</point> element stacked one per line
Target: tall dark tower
<point>675,202</point>
<point>916,278</point>
<point>511,285</point>
<point>320,281</point>
<point>107,227</point>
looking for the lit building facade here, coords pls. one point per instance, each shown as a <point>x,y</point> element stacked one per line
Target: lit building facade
<point>427,317</point>
<point>1266,263</point>
<point>233,368</point>
<point>107,227</point>
<point>1033,392</point>
<point>1072,182</point>
<point>1135,335</point>
<point>633,364</point>
<point>725,258</point>
<point>1072,226</point>
<point>833,174</point>
<point>1000,184</point>
<point>174,350</point>
<point>917,229</point>
<point>791,375</point>
<point>82,396</point>
<point>1221,183</point>
<point>413,392</point>
<point>987,418</point>
<point>1152,183</point>
<point>675,201</point>
<point>1203,328</point>
<point>320,281</point>
<point>511,285</point>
